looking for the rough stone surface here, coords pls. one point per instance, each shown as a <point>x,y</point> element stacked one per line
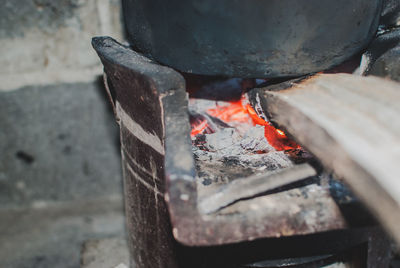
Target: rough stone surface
<point>105,253</point>
<point>52,37</point>
<point>57,143</point>
<point>20,16</point>
<point>52,236</point>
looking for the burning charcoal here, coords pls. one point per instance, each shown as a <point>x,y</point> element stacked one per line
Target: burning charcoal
<point>219,124</point>
<point>198,142</point>
<point>299,155</point>
<point>205,124</point>
<point>238,147</point>
<point>255,141</point>
<point>200,124</point>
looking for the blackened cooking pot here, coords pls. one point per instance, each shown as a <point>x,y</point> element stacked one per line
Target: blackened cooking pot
<point>251,38</point>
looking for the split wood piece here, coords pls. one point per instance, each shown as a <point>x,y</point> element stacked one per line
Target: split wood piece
<point>254,185</point>
<point>352,124</point>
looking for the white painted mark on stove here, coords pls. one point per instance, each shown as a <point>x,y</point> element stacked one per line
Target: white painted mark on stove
<point>153,168</point>
<point>145,183</point>
<point>148,138</point>
<point>144,170</point>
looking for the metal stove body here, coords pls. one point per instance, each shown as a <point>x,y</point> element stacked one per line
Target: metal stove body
<point>165,225</point>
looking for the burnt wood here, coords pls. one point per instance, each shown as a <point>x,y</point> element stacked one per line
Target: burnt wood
<point>245,188</point>
<point>351,123</point>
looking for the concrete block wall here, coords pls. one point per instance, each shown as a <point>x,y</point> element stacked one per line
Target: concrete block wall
<point>47,41</point>
<point>58,137</point>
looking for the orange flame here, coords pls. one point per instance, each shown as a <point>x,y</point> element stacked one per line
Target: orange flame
<point>230,113</point>
<point>199,128</point>
<point>276,137</point>
<point>238,112</point>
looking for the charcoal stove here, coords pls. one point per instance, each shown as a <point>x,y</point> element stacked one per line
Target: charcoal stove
<point>178,215</point>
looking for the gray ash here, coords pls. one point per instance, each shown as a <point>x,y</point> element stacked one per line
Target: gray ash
<point>224,151</point>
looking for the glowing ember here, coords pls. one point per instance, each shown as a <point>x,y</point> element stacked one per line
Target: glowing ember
<point>237,112</point>
<point>199,128</point>
<point>233,112</point>
<point>280,132</point>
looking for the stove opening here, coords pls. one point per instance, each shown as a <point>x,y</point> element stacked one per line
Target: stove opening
<point>234,145</point>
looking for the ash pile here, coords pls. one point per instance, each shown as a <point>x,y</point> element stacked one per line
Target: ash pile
<point>230,140</point>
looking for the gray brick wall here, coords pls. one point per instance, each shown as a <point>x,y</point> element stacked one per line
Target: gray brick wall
<point>47,41</point>
<point>58,138</point>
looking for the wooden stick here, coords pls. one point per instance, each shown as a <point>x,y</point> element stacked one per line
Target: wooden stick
<point>352,124</point>
<point>254,185</point>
